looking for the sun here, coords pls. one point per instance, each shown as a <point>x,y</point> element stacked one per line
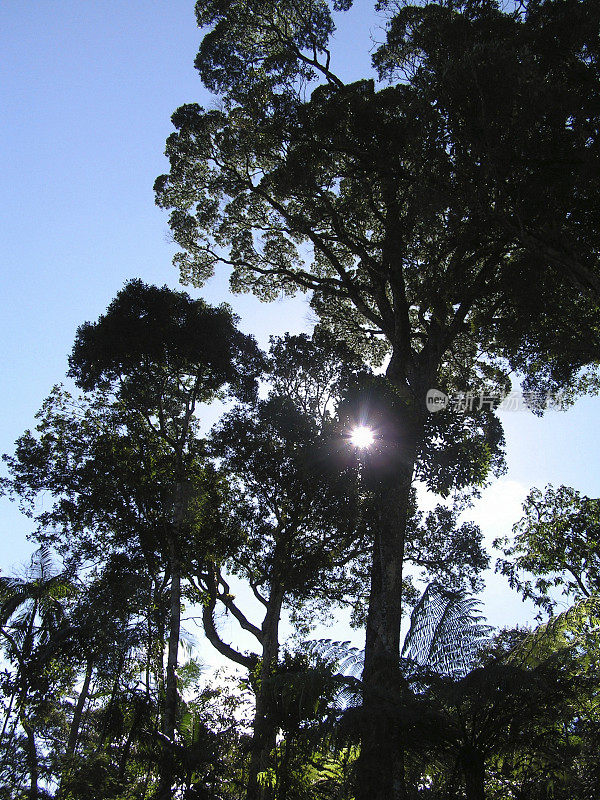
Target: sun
<point>362,437</point>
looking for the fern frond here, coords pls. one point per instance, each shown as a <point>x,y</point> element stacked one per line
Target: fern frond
<point>446,632</point>
<point>567,630</point>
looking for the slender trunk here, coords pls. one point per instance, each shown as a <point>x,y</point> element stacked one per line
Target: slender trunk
<point>78,712</point>
<point>8,746</point>
<point>160,658</point>
<point>264,732</point>
<point>380,773</point>
<point>75,726</point>
<point>20,686</point>
<point>172,657</point>
<point>7,716</point>
<point>31,754</point>
<point>165,785</point>
<point>32,759</point>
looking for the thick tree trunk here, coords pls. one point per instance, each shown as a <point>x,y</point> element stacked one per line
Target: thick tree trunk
<point>263,729</point>
<point>380,774</point>
<point>473,767</point>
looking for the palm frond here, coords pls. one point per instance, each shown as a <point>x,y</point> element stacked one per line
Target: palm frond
<point>348,660</point>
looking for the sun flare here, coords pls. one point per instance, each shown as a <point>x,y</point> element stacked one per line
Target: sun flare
<point>362,437</point>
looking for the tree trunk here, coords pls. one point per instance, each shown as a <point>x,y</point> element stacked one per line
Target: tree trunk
<point>473,767</point>
<point>75,726</point>
<point>78,711</point>
<point>165,786</point>
<point>7,716</point>
<point>263,727</point>
<point>32,760</point>
<point>380,773</point>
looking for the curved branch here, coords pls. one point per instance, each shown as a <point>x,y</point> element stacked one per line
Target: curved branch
<point>222,647</point>
<point>227,599</point>
<point>208,620</point>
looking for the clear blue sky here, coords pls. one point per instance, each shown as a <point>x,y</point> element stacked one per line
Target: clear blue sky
<point>87,91</point>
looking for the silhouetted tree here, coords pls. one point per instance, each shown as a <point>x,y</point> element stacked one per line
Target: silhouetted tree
<point>400,219</point>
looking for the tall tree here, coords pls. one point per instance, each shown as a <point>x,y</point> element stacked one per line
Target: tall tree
<point>370,199</point>
<point>125,464</point>
<point>299,511</point>
<point>163,353</point>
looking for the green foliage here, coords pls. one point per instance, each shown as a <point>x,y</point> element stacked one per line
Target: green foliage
<point>447,553</point>
<point>558,542</point>
<point>446,220</point>
<point>164,351</point>
<point>299,511</point>
<point>575,629</point>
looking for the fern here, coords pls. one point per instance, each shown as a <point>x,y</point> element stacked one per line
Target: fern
<point>573,628</point>
<point>446,632</point>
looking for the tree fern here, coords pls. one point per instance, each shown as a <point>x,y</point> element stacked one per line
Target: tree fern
<point>578,626</point>
<point>446,632</point>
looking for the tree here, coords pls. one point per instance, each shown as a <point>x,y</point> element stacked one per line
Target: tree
<point>310,521</point>
<point>506,715</point>
<point>537,65</point>
<point>31,613</point>
<point>106,639</point>
<point>163,354</point>
<point>125,464</point>
<point>112,490</point>
<point>374,201</point>
<point>299,510</point>
<point>558,542</point>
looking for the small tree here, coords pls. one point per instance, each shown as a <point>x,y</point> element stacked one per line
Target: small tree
<point>31,616</point>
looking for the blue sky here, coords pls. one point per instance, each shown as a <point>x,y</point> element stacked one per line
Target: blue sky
<point>87,92</point>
